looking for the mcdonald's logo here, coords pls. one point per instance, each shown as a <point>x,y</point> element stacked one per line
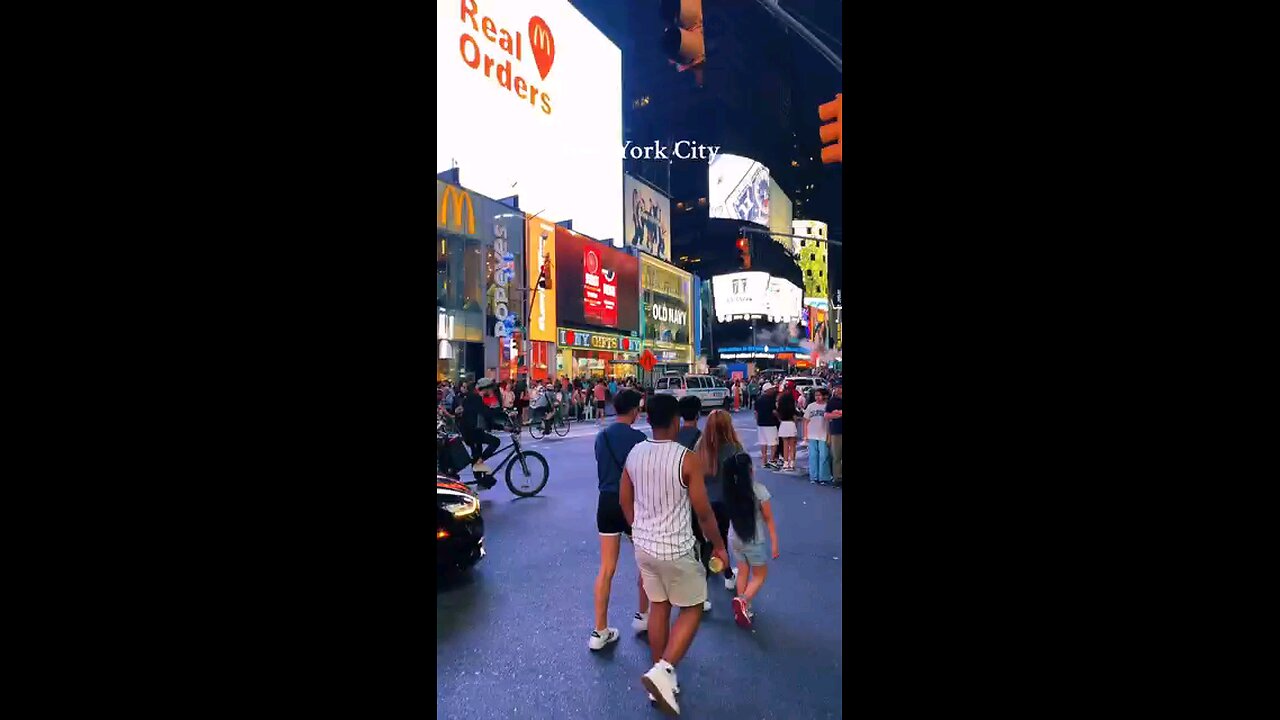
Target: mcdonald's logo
<point>459,197</point>
<point>544,45</point>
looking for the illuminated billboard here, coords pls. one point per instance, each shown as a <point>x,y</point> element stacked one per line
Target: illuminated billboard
<point>784,301</point>
<point>746,295</point>
<point>541,243</point>
<point>530,99</point>
<point>780,211</point>
<point>738,189</point>
<point>740,295</point>
<point>646,218</point>
<point>596,285</point>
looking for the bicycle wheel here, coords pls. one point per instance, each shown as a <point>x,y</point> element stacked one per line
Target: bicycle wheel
<point>562,427</point>
<point>535,430</point>
<point>532,471</point>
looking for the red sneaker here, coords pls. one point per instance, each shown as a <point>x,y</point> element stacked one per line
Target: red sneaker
<point>740,614</point>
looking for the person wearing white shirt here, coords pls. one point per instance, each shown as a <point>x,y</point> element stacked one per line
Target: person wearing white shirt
<point>819,449</point>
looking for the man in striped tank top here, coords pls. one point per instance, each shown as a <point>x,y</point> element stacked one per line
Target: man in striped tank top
<point>661,484</point>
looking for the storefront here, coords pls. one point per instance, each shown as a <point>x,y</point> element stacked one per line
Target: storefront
<point>586,353</point>
<point>666,321</point>
<point>479,247</point>
<point>597,308</point>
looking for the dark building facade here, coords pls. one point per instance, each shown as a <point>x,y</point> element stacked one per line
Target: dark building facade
<point>761,87</point>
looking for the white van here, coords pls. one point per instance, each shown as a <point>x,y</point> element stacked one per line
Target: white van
<point>710,390</point>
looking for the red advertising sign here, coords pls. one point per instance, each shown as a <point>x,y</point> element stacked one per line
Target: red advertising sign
<point>647,361</point>
<point>599,289</point>
<point>610,282</point>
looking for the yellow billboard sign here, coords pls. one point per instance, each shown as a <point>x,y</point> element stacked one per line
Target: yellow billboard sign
<point>540,246</point>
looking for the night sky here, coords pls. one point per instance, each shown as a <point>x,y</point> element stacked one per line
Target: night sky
<point>753,60</point>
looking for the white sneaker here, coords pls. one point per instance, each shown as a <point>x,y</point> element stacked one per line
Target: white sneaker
<point>599,640</point>
<point>640,623</point>
<point>732,583</point>
<point>480,467</point>
<point>651,695</point>
<point>661,685</point>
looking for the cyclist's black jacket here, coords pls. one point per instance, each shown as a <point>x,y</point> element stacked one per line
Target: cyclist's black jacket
<point>478,417</point>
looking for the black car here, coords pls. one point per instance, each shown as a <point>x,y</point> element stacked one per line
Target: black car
<point>459,527</point>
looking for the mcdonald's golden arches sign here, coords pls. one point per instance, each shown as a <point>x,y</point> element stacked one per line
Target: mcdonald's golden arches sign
<point>455,210</point>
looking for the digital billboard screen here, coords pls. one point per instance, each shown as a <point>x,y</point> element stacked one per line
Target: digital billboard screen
<point>738,189</point>
<point>596,285</point>
<point>746,295</point>
<point>784,300</point>
<point>740,295</point>
<point>530,104</point>
<point>647,218</point>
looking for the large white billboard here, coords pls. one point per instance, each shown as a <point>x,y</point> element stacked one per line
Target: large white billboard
<point>784,301</point>
<point>646,218</point>
<point>744,295</point>
<point>529,103</point>
<point>738,189</point>
<point>740,295</point>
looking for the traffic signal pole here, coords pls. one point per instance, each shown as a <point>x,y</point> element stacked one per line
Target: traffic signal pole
<point>802,31</point>
<point>778,234</point>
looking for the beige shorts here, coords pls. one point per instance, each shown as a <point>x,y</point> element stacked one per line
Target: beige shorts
<point>682,582</point>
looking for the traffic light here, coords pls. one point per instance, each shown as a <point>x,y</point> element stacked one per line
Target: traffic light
<point>744,247</point>
<point>832,131</point>
<point>682,39</point>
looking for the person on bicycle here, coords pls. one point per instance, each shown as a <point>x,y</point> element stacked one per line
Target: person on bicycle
<point>477,417</point>
<point>540,404</point>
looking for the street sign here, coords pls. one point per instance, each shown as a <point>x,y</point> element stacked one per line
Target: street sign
<point>647,361</point>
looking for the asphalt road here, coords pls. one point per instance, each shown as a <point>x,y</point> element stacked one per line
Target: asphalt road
<point>511,634</point>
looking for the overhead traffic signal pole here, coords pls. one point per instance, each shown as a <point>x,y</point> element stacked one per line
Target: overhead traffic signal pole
<point>802,31</point>
<point>815,238</point>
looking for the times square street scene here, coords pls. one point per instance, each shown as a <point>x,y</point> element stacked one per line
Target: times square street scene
<point>639,359</point>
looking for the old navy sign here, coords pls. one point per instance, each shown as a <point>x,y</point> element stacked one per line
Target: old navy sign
<point>665,313</point>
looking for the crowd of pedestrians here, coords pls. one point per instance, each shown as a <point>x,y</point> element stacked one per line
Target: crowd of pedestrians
<point>661,495</point>
<point>787,418</point>
<point>683,497</point>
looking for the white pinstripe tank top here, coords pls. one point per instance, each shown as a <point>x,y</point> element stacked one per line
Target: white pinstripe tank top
<point>663,520</point>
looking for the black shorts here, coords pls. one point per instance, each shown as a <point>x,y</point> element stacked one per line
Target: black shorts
<point>600,404</point>
<point>609,517</point>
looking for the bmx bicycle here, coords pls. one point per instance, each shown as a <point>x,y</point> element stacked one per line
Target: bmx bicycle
<point>526,470</point>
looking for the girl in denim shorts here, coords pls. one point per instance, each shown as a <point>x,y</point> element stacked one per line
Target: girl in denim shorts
<point>750,515</point>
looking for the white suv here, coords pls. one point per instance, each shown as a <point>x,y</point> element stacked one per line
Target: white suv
<point>710,390</point>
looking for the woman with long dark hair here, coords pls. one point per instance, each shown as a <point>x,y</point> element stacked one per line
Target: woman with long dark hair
<point>750,513</point>
<point>718,444</point>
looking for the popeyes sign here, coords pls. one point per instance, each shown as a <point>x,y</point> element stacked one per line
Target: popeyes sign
<point>487,57</point>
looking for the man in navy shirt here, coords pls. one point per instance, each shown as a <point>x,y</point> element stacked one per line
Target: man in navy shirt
<point>835,411</point>
<point>767,426</point>
<point>613,444</point>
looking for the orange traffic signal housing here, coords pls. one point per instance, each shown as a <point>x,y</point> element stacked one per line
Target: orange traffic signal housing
<point>744,246</point>
<point>832,131</point>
